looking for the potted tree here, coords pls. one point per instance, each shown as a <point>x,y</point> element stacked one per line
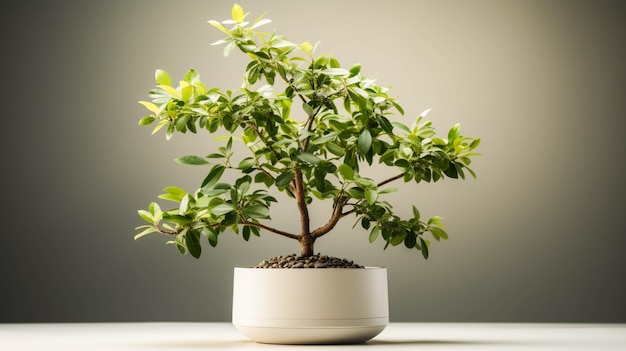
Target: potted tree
<point>309,129</point>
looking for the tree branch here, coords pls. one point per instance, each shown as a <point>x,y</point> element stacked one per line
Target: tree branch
<point>334,218</point>
<point>270,229</point>
<point>390,179</point>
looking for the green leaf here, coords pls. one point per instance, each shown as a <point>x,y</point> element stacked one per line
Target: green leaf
<point>191,160</point>
<point>222,209</point>
<point>424,248</point>
<point>211,235</point>
<point>416,213</point>
<point>336,72</point>
<point>192,241</point>
<point>307,109</point>
<point>237,13</point>
<point>454,132</point>
<point>146,216</point>
<point>182,220</point>
<point>436,220</point>
<point>437,231</point>
<point>256,211</point>
<point>145,232</point>
<point>284,179</point>
<point>219,26</point>
<point>146,121</point>
<point>246,163</point>
<point>309,158</point>
<point>191,76</point>
<point>410,240</point>
<point>150,106</point>
<point>214,176</point>
<point>365,142</point>
<point>371,195</point>
<point>374,234</point>
<point>162,78</point>
<point>346,171</point>
<point>354,70</point>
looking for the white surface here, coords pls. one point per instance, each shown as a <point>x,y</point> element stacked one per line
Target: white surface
<point>275,305</point>
<point>397,336</point>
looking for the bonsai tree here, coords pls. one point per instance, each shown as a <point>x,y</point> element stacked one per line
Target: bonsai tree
<point>309,128</point>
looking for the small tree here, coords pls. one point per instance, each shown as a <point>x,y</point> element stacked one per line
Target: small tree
<point>345,124</point>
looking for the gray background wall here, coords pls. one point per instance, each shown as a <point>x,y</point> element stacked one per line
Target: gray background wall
<point>538,238</point>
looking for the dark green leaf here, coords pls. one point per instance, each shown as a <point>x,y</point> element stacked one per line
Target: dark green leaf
<point>256,211</point>
<point>246,233</point>
<point>410,240</point>
<point>192,241</point>
<point>284,179</point>
<point>211,235</point>
<point>365,142</point>
<point>213,177</point>
<point>424,248</point>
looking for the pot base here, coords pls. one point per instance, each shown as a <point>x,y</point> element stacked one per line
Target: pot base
<point>311,336</point>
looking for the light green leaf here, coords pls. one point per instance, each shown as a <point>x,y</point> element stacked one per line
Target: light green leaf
<point>346,171</point>
<point>237,13</point>
<point>219,26</point>
<point>309,158</point>
<point>371,195</point>
<point>222,209</point>
<point>150,106</point>
<point>169,90</point>
<point>146,216</point>
<point>191,76</point>
<point>354,70</point>
<point>454,132</point>
<point>191,160</point>
<point>436,231</point>
<point>145,232</point>
<point>146,121</point>
<point>307,109</point>
<point>374,234</point>
<point>162,78</point>
<point>336,72</point>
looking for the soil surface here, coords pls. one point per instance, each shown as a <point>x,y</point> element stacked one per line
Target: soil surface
<point>315,261</point>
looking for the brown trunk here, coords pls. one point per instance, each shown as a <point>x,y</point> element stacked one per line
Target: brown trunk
<point>306,245</point>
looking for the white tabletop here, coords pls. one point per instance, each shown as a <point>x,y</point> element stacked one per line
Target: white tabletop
<point>397,336</point>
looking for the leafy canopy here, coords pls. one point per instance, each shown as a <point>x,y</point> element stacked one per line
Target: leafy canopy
<point>346,122</point>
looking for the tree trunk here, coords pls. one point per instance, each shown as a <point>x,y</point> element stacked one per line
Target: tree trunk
<point>306,245</point>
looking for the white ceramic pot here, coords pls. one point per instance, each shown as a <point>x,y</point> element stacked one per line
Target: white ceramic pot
<point>310,306</point>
